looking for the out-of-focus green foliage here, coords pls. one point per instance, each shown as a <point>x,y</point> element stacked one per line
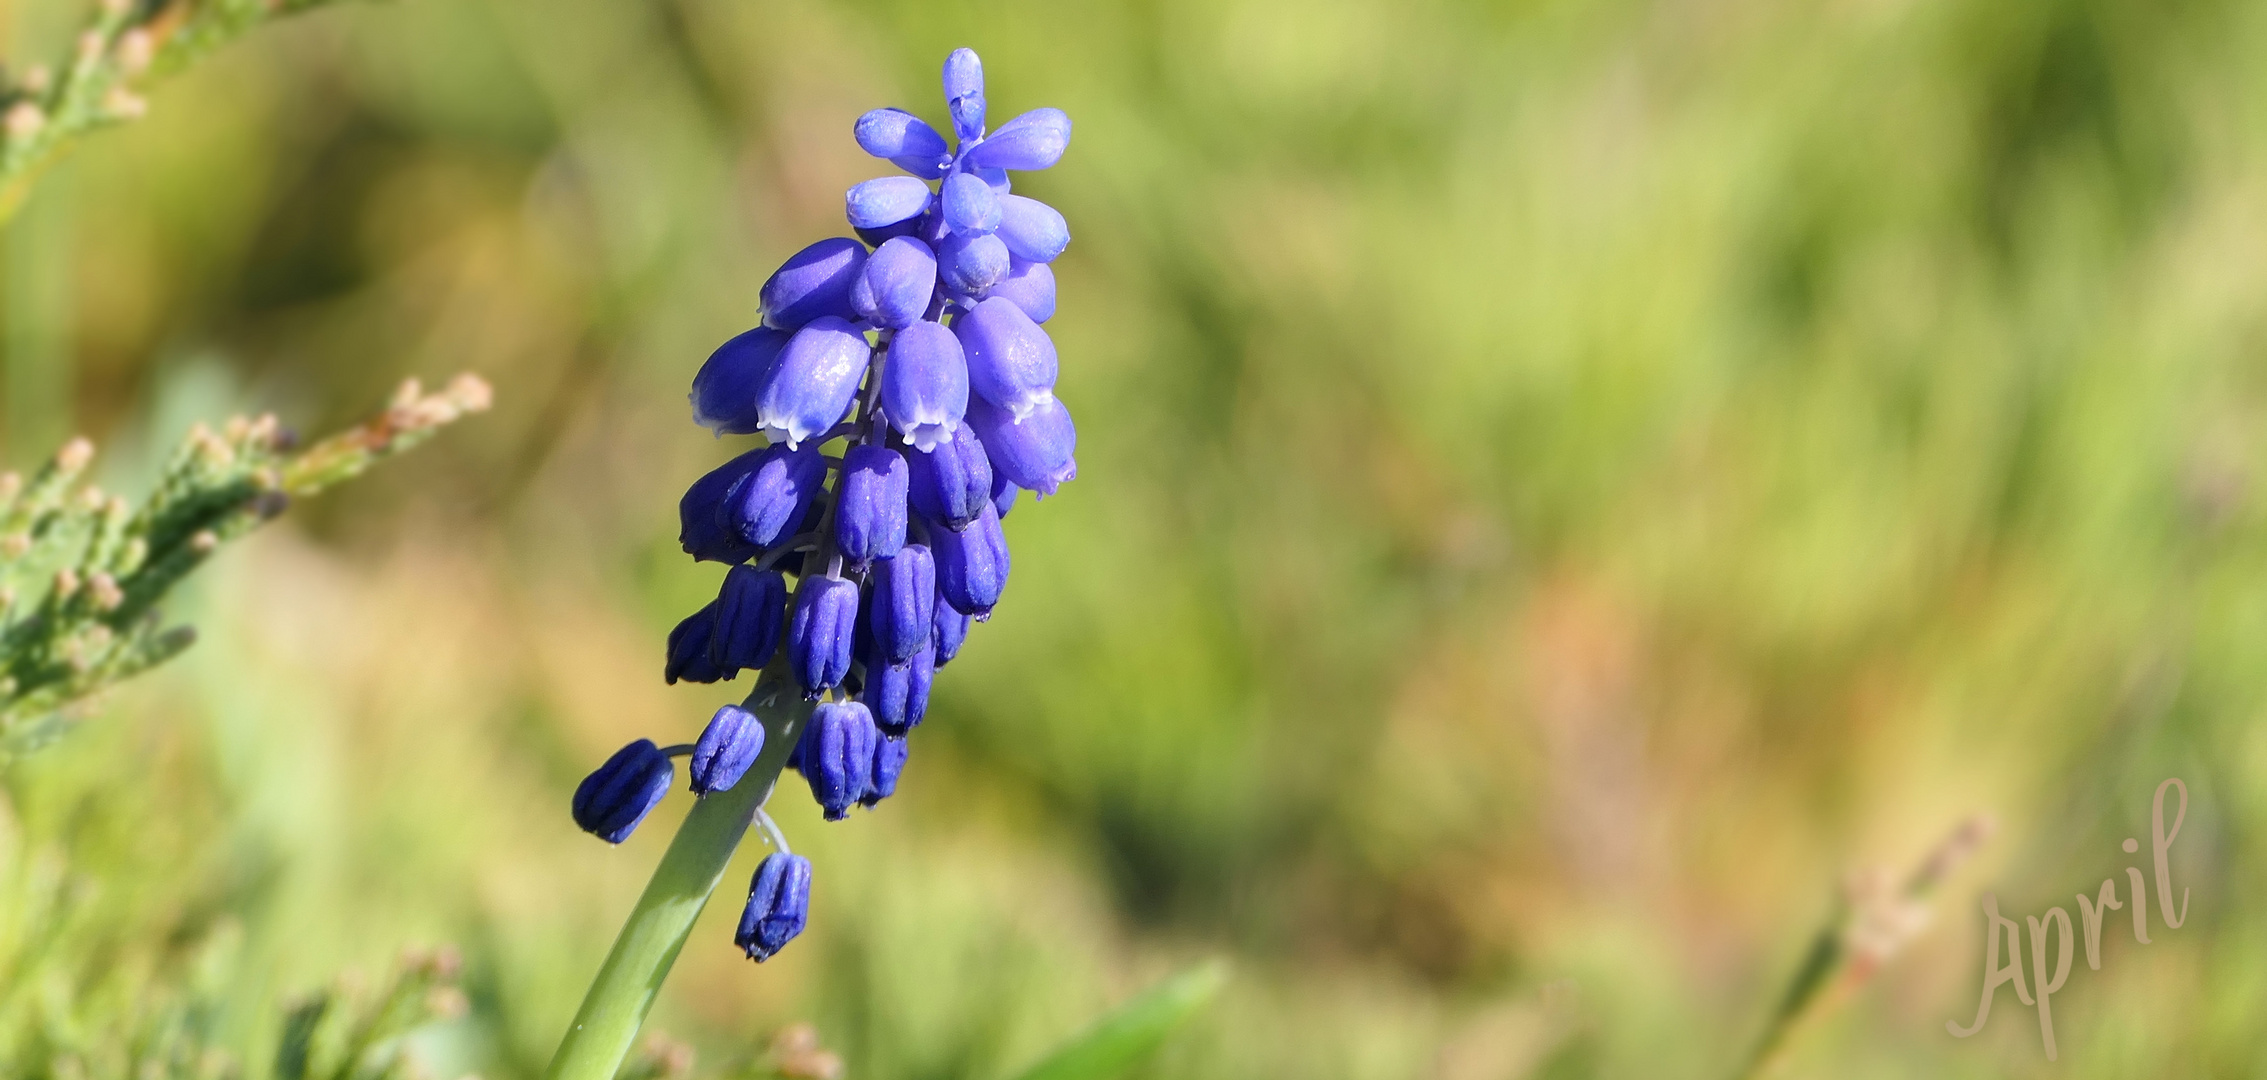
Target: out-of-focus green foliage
<point>1561,485</point>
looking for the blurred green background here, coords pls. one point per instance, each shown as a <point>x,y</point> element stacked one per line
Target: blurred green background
<point>1562,484</point>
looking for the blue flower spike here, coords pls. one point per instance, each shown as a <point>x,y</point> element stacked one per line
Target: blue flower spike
<point>779,903</point>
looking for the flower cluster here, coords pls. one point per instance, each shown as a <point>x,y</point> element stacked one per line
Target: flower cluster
<point>917,349</point>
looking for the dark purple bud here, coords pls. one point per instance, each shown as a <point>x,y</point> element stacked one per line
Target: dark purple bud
<point>824,628</point>
<point>1030,286</point>
<point>765,507</point>
<point>889,764</point>
<point>611,801</point>
<point>1011,362</point>
<point>904,592</point>
<point>725,750</point>
<point>869,513</point>
<point>751,613</point>
<point>905,140</point>
<point>964,93</point>
<point>1003,494</point>
<point>895,287</point>
<point>811,385</point>
<point>899,696</point>
<point>838,756</point>
<point>703,528</point>
<point>1033,453</point>
<point>814,282</point>
<point>689,655</point>
<point>971,263</point>
<point>951,483</point>
<point>724,392</point>
<point>1034,140</point>
<point>970,205</point>
<point>972,564</point>
<point>882,202</point>
<point>779,903</point>
<point>1032,230</point>
<point>924,384</point>
<point>948,631</point>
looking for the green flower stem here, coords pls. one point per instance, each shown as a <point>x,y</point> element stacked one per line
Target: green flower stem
<point>619,997</point>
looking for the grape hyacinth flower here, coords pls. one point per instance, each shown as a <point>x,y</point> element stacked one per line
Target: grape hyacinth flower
<point>905,389</point>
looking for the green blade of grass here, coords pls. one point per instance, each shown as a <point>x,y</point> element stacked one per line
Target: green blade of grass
<point>1134,1030</point>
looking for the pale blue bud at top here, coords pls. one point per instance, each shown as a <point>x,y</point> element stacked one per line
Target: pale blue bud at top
<point>1033,453</point>
<point>838,756</point>
<point>779,903</point>
<point>766,507</point>
<point>889,763</point>
<point>813,381</point>
<point>689,653</point>
<point>894,289</point>
<point>1003,495</point>
<point>751,617</point>
<point>869,511</point>
<point>948,631</point>
<point>724,391</point>
<point>725,750</point>
<point>924,384</point>
<point>611,801</point>
<point>1034,140</point>
<point>703,528</point>
<point>885,201</point>
<point>972,564</point>
<point>951,484</point>
<point>904,591</point>
<point>969,204</point>
<point>824,629</point>
<point>899,696</point>
<point>1030,286</point>
<point>905,140</point>
<point>964,93</point>
<point>971,263</point>
<point>1032,230</point>
<point>1011,361</point>
<point>814,282</point>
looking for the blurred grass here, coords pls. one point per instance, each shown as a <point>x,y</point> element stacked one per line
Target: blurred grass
<point>1561,484</point>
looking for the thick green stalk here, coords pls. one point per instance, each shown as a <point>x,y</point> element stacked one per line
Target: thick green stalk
<point>619,997</point>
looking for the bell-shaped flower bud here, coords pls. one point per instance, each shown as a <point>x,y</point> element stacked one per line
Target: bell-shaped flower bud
<point>905,140</point>
<point>820,637</point>
<point>779,903</point>
<point>838,756</point>
<point>948,631</point>
<point>869,512</point>
<point>812,383</point>
<point>904,593</point>
<point>751,616</point>
<point>725,750</point>
<point>964,93</point>
<point>885,201</point>
<point>971,262</point>
<point>889,763</point>
<point>814,282</point>
<point>972,564</point>
<point>1011,361</point>
<point>970,204</point>
<point>689,654</point>
<point>765,507</point>
<point>950,484</point>
<point>724,391</point>
<point>1034,453</point>
<point>998,178</point>
<point>1032,230</point>
<point>1034,140</point>
<point>1030,286</point>
<point>899,696</point>
<point>924,384</point>
<point>1003,494</point>
<point>894,289</point>
<point>704,528</point>
<point>611,801</point>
